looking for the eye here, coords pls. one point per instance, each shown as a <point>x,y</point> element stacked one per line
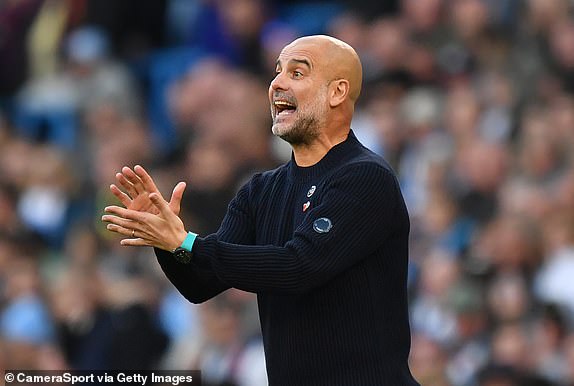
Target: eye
<point>297,74</point>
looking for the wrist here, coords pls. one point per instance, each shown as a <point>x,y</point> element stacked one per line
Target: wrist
<point>188,241</point>
<point>183,252</point>
<point>178,240</point>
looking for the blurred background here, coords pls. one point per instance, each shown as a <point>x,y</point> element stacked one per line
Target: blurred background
<point>471,101</point>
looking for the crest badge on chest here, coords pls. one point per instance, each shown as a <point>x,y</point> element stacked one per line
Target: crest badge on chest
<point>310,192</point>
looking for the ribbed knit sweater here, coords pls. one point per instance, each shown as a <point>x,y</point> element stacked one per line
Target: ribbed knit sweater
<point>331,293</point>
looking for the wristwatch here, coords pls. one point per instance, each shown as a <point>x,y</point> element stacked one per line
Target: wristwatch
<point>183,253</point>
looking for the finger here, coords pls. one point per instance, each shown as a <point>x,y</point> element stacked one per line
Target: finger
<point>161,205</point>
<point>176,197</point>
<point>137,243</point>
<point>124,198</point>
<point>128,214</point>
<point>121,222</point>
<point>128,232</point>
<point>128,186</point>
<point>133,179</point>
<point>116,229</point>
<point>147,181</point>
<point>119,230</point>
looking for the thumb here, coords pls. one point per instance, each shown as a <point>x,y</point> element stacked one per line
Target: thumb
<point>176,197</point>
<point>160,204</point>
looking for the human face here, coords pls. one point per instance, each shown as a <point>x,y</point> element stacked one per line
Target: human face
<point>298,95</point>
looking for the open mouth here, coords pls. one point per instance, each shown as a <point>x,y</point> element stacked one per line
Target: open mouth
<point>283,107</point>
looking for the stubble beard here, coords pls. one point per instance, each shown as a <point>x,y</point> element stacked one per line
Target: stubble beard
<point>306,127</point>
<point>301,133</point>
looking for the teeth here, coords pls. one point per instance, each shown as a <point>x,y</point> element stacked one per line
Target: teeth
<point>283,104</point>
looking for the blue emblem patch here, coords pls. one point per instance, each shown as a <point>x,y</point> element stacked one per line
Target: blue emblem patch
<point>322,225</point>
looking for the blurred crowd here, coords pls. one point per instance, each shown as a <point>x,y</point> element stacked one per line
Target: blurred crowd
<point>471,101</point>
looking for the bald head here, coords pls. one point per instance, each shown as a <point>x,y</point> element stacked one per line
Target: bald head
<point>336,58</point>
<point>317,82</point>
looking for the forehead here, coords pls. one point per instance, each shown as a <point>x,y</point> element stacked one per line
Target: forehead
<point>301,50</point>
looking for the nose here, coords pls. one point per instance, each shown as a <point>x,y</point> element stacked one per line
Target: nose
<point>278,83</point>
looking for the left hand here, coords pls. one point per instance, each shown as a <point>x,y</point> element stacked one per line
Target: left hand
<point>161,228</point>
<point>138,185</point>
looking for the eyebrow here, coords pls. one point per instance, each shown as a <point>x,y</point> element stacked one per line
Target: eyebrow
<point>304,62</point>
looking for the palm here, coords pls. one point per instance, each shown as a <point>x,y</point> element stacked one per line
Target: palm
<point>138,185</point>
<point>142,203</point>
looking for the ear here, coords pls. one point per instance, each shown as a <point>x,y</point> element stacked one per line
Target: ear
<point>338,92</point>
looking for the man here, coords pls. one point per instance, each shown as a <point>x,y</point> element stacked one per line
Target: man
<point>322,240</point>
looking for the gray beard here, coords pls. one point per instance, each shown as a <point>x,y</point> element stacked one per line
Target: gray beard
<point>303,132</point>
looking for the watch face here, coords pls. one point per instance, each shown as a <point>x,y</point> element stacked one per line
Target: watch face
<point>182,255</point>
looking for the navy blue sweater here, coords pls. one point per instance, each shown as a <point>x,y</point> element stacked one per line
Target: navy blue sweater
<point>332,293</point>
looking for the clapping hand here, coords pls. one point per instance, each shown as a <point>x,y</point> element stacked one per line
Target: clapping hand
<point>147,219</point>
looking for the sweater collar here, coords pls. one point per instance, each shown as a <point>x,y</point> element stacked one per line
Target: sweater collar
<point>332,159</point>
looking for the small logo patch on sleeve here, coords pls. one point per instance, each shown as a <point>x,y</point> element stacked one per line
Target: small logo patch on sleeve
<point>322,225</point>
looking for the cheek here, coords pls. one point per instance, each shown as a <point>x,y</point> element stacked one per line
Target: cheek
<point>270,94</point>
<point>315,103</point>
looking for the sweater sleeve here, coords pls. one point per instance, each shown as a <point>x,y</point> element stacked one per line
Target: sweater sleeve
<point>199,284</point>
<point>360,203</point>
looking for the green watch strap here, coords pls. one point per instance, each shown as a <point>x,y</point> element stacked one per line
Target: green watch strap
<point>188,242</point>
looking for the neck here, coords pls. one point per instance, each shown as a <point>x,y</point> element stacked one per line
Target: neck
<point>310,154</point>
